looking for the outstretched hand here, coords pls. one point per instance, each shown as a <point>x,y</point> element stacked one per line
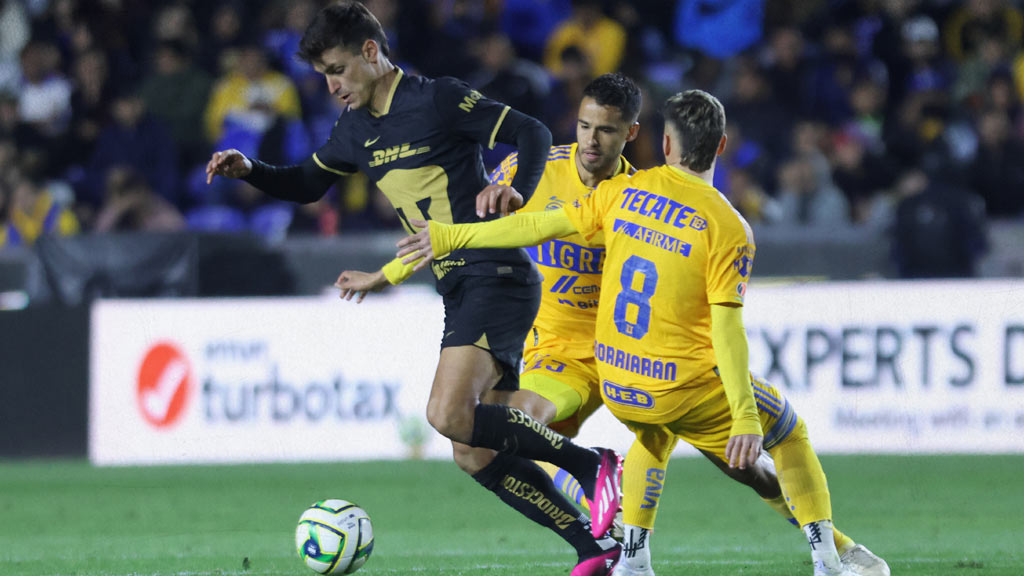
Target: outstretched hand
<point>417,246</point>
<point>356,283</point>
<point>743,450</point>
<point>229,163</point>
<point>498,197</point>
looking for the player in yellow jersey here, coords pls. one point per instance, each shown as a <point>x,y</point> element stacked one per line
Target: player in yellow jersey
<point>670,345</point>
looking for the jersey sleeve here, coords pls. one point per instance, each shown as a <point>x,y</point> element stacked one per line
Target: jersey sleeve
<point>730,259</point>
<point>334,156</point>
<point>467,112</point>
<point>505,171</point>
<point>587,211</point>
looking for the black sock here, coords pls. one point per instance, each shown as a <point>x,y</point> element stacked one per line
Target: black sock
<point>522,484</point>
<point>514,432</point>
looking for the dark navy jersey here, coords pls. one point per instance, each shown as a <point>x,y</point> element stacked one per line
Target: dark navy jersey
<point>424,153</point>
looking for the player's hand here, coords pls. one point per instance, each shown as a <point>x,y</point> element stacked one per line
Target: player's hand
<point>355,283</point>
<point>743,450</point>
<point>498,197</point>
<point>230,163</point>
<point>417,246</point>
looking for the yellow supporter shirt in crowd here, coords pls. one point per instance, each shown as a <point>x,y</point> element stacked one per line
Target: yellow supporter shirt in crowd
<point>571,266</point>
<point>675,246</point>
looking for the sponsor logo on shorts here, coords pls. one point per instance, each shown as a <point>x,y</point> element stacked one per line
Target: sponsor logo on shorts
<point>627,396</point>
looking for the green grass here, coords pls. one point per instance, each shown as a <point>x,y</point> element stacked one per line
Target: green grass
<point>927,515</point>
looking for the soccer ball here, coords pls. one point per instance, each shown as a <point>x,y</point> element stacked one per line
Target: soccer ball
<point>334,537</point>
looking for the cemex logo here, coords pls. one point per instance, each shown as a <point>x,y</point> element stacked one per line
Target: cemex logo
<point>164,386</point>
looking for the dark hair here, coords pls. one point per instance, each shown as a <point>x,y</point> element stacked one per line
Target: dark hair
<point>347,25</point>
<point>616,90</point>
<point>699,118</point>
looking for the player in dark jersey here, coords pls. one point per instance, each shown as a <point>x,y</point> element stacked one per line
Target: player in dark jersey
<point>420,141</point>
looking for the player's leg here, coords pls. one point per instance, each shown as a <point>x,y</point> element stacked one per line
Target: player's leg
<point>786,433</point>
<point>643,480</point>
<point>561,392</point>
<point>455,411</point>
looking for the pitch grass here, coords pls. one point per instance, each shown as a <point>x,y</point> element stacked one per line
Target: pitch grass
<point>933,515</point>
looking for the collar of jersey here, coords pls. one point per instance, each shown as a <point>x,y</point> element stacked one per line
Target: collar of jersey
<point>686,175</point>
<point>391,93</point>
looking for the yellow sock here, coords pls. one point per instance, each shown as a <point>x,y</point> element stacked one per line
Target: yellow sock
<point>843,542</point>
<point>566,483</point>
<point>802,480</point>
<point>643,475</point>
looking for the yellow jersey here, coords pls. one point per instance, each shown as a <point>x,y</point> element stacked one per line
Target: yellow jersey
<point>675,246</point>
<point>571,266</point>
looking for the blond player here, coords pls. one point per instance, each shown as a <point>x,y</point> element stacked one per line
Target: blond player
<point>670,345</point>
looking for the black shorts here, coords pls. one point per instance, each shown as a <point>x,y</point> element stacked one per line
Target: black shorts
<point>494,314</point>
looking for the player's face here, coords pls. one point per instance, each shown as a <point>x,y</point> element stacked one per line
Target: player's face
<point>349,76</point>
<point>601,134</point>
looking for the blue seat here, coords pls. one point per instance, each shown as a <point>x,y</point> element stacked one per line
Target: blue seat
<point>216,218</point>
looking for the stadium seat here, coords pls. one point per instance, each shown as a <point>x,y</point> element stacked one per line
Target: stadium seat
<point>271,221</point>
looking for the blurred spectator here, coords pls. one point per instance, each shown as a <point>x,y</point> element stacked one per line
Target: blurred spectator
<point>600,38</point>
<point>924,70</point>
<point>249,94</point>
<point>131,206</point>
<point>972,23</point>
<point>176,92</point>
<point>90,100</point>
<point>786,68</point>
<point>867,103</point>
<point>454,23</point>
<point>997,173</point>
<point>859,173</point>
<point>807,198</point>
<point>505,77</point>
<point>742,154</point>
<point>754,108</point>
<point>973,74</point>
<point>45,93</point>
<point>751,200</point>
<point>719,28</point>
<point>175,23</point>
<point>16,32</point>
<point>938,229</point>
<point>137,140</point>
<point>225,34</point>
<point>33,211</point>
<point>566,92</point>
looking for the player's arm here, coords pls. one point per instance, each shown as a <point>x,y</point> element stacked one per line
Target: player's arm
<point>470,114</point>
<point>729,339</point>
<point>436,240</point>
<point>303,183</point>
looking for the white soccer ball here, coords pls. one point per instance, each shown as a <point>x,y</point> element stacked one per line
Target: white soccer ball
<point>334,537</point>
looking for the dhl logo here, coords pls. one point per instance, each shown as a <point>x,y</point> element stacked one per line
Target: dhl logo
<point>392,153</point>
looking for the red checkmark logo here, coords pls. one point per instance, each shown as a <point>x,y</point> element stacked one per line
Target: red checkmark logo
<point>165,383</point>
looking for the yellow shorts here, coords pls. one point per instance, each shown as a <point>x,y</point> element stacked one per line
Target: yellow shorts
<point>707,424</point>
<point>571,384</point>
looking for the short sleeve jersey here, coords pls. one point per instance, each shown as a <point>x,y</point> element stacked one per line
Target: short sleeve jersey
<point>675,247</point>
<point>571,266</point>
<point>424,152</point>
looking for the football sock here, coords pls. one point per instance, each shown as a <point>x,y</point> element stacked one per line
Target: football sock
<point>643,474</point>
<point>823,549</point>
<point>514,432</point>
<point>567,484</point>
<point>843,542</point>
<point>636,549</point>
<point>802,480</point>
<point>521,484</point>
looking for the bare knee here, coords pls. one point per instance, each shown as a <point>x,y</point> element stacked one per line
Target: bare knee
<point>534,405</point>
<point>453,419</point>
<point>760,477</point>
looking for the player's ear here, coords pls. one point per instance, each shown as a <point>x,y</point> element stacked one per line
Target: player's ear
<point>634,131</point>
<point>666,144</point>
<point>721,145</point>
<point>370,51</point>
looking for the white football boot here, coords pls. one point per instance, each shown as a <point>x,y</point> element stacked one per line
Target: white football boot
<point>621,569</point>
<point>863,562</point>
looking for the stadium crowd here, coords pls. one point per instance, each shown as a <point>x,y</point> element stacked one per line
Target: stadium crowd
<point>899,114</point>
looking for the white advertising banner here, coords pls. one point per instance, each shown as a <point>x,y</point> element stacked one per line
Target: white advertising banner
<point>872,367</point>
<point>896,366</point>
